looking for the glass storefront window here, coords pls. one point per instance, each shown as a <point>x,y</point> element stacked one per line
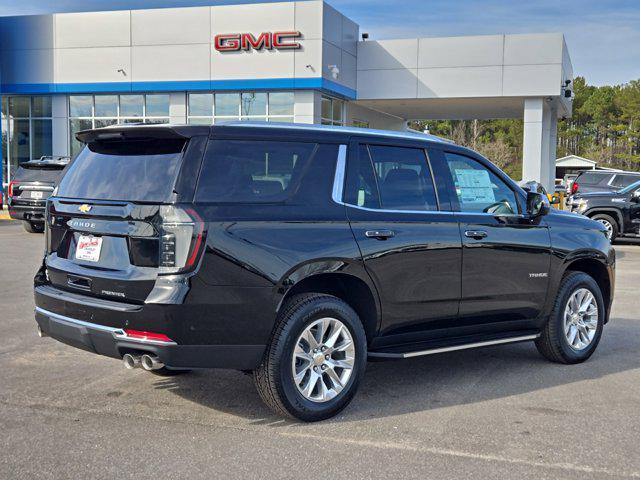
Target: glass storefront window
<point>41,138</point>
<point>157,106</point>
<point>281,103</point>
<point>200,104</point>
<point>26,131</point>
<point>131,105</point>
<point>156,121</point>
<point>19,143</point>
<point>227,105</point>
<point>19,107</point>
<point>105,122</point>
<point>254,104</point>
<point>249,106</point>
<point>200,121</point>
<point>75,126</point>
<point>87,112</point>
<point>41,107</point>
<point>332,111</point>
<point>81,106</point>
<point>106,105</point>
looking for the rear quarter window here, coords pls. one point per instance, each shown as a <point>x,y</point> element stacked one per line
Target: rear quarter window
<point>253,171</point>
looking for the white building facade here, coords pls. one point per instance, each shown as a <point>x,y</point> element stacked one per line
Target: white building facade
<point>297,61</point>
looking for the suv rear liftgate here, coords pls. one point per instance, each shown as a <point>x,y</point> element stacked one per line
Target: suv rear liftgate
<point>122,260</point>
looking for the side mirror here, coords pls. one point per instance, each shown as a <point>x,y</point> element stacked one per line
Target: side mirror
<point>635,197</point>
<point>537,205</point>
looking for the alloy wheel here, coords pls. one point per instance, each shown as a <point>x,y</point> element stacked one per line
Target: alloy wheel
<point>581,319</point>
<point>323,360</point>
<point>608,226</point>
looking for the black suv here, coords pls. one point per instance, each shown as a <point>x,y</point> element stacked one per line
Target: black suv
<point>299,252</point>
<point>29,189</point>
<point>603,181</point>
<point>618,211</point>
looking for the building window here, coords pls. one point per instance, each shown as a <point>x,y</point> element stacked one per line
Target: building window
<point>209,108</point>
<point>26,131</point>
<point>332,111</point>
<point>97,111</point>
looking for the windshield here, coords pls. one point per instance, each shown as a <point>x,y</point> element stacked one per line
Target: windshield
<point>129,171</point>
<point>631,187</point>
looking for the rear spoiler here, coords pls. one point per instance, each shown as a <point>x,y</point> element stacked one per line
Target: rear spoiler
<point>139,132</point>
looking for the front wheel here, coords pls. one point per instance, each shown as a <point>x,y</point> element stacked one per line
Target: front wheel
<point>610,224</point>
<point>316,358</point>
<point>575,326</point>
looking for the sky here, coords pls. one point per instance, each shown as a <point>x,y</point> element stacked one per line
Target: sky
<point>603,36</point>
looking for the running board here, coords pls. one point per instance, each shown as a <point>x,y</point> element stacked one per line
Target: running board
<point>466,346</point>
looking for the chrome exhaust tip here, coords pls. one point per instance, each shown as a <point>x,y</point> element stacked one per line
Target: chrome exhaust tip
<point>151,362</point>
<point>41,334</point>
<point>131,361</point>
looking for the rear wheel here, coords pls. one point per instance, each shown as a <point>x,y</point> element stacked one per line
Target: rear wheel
<point>575,326</point>
<point>33,227</point>
<point>610,224</point>
<point>316,359</point>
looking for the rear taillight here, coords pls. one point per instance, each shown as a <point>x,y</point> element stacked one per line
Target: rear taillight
<point>574,188</point>
<point>181,240</point>
<point>11,187</point>
<point>153,336</point>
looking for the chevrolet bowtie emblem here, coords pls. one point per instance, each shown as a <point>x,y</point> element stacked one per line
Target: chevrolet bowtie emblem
<point>84,208</point>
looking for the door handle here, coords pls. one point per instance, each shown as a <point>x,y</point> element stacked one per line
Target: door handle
<point>379,234</point>
<point>475,234</point>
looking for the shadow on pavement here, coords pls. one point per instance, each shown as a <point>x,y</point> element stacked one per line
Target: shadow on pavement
<point>431,382</point>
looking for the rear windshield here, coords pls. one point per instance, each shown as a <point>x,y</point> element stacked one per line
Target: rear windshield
<point>142,171</point>
<point>589,178</point>
<point>40,173</point>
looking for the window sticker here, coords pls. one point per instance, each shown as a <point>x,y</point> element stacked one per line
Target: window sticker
<point>474,186</point>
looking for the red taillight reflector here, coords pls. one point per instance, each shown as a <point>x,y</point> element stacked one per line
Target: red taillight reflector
<point>140,335</point>
<point>11,184</point>
<point>574,188</point>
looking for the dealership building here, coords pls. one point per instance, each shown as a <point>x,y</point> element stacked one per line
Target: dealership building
<point>296,61</point>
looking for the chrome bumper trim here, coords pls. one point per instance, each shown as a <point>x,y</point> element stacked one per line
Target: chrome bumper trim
<point>117,333</point>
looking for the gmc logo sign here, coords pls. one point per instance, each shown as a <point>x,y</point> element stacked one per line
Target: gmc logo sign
<point>234,42</point>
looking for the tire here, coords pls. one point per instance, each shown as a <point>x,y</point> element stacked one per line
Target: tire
<point>274,378</point>
<point>166,372</point>
<point>553,343</point>
<point>33,227</point>
<point>610,223</point>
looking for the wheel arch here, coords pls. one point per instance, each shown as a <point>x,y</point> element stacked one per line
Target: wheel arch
<point>597,269</point>
<point>349,288</point>
<point>612,212</point>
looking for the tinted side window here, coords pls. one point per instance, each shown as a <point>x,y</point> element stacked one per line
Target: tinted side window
<point>622,180</point>
<point>479,189</point>
<point>239,171</point>
<point>362,187</point>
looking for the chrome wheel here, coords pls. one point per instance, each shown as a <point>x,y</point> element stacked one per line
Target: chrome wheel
<point>581,319</point>
<point>323,360</point>
<point>608,226</point>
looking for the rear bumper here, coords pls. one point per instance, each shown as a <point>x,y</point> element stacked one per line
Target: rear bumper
<point>112,341</point>
<point>33,211</point>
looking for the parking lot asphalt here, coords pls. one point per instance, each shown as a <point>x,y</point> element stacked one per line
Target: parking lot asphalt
<point>499,412</point>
